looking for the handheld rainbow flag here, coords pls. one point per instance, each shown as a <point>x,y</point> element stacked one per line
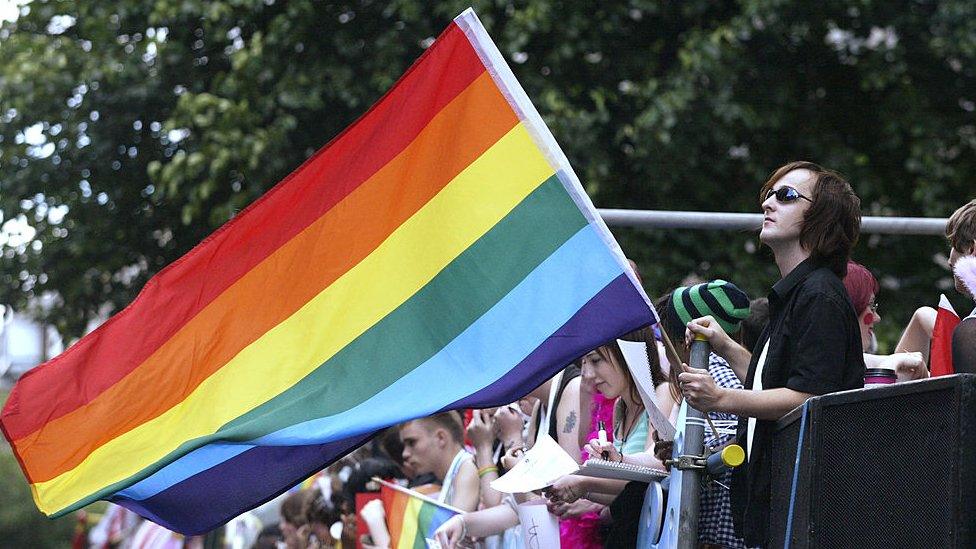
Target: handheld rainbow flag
<point>411,517</point>
<point>440,253</point>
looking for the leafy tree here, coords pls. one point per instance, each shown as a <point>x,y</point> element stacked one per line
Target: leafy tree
<point>21,524</point>
<point>131,130</point>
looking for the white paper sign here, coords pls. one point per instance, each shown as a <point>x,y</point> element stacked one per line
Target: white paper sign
<point>540,529</point>
<point>635,353</point>
<point>545,463</point>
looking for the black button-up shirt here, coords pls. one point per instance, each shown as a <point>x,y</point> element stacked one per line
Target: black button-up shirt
<point>814,347</point>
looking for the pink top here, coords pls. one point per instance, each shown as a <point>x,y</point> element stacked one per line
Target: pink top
<point>583,532</point>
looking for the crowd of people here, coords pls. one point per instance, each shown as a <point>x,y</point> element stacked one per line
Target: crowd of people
<point>811,335</point>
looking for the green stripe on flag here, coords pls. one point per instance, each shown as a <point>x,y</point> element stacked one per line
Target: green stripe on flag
<point>480,277</point>
<point>477,279</point>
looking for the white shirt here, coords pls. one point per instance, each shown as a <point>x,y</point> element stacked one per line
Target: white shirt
<point>756,386</point>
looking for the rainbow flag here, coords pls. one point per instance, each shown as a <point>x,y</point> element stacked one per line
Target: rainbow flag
<point>411,517</point>
<point>440,253</point>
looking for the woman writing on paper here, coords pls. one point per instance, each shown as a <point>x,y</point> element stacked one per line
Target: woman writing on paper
<point>607,370</point>
<point>604,370</point>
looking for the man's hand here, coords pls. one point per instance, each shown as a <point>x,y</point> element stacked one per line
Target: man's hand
<point>708,327</point>
<point>567,489</point>
<point>512,456</point>
<point>481,430</point>
<point>908,366</point>
<point>576,509</point>
<point>450,533</point>
<point>699,389</point>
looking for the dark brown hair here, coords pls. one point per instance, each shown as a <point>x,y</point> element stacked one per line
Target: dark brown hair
<point>320,510</point>
<point>391,444</point>
<point>832,223</point>
<point>961,228</point>
<point>293,508</point>
<point>449,421</point>
<point>675,330</point>
<point>612,349</point>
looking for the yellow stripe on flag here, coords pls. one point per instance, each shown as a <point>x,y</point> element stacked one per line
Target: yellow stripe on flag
<point>411,515</point>
<point>477,199</point>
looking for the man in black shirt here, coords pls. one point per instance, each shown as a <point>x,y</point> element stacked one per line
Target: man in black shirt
<point>811,344</point>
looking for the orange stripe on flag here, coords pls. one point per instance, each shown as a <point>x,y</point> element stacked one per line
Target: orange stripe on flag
<point>477,118</point>
<point>180,291</point>
<point>395,512</point>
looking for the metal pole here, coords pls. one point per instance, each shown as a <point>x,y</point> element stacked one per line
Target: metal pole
<point>658,219</point>
<point>694,445</point>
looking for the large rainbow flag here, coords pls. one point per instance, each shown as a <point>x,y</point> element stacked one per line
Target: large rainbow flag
<point>411,517</point>
<point>440,253</point>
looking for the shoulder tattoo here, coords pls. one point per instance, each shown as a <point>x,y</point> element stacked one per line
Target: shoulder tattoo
<point>570,422</point>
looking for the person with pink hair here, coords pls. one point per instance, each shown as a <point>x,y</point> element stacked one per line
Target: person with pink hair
<point>863,288</point>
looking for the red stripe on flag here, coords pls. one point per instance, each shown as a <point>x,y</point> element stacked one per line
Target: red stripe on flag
<point>178,292</point>
<point>476,120</point>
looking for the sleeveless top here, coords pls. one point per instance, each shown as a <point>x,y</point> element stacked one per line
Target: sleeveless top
<point>446,494</point>
<point>637,440</point>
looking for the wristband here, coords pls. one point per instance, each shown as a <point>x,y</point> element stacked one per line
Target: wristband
<point>487,470</point>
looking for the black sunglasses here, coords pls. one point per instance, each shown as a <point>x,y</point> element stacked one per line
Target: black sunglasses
<point>786,194</point>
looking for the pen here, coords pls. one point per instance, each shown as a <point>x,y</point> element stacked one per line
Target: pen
<point>602,437</point>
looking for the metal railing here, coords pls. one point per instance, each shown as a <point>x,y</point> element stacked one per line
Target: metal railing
<point>659,219</point>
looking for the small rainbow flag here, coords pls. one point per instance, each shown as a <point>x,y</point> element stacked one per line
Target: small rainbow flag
<point>440,253</point>
<point>411,517</point>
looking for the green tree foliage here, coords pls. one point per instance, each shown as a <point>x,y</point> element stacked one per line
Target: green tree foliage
<point>21,524</point>
<point>131,130</point>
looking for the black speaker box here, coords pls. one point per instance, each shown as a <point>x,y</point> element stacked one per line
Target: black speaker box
<point>891,466</point>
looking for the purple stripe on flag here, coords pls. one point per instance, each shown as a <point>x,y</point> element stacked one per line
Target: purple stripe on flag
<point>618,301</point>
<point>249,477</point>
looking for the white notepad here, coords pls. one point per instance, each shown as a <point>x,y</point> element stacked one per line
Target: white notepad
<point>620,471</point>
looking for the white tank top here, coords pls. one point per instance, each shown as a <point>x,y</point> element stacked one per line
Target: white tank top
<point>446,494</point>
